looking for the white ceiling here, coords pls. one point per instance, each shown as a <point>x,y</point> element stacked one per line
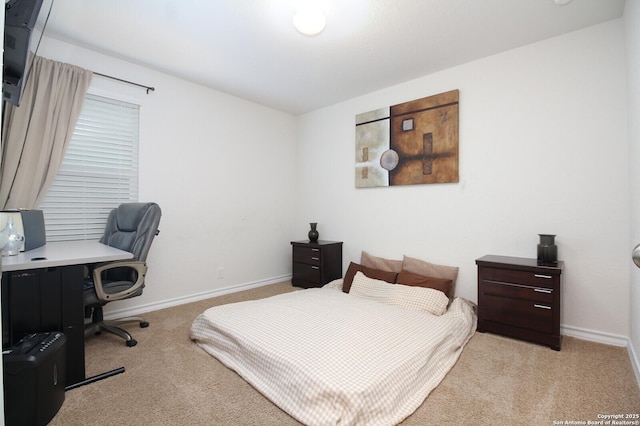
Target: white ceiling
<point>250,49</point>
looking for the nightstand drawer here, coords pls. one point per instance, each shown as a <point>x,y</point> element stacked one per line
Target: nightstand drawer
<point>517,291</point>
<point>305,272</point>
<point>519,313</point>
<point>518,277</point>
<point>308,255</point>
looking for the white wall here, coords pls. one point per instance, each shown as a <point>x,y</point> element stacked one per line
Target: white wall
<point>543,149</point>
<point>632,38</point>
<point>222,170</point>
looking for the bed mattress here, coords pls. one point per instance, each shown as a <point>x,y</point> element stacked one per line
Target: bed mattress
<point>331,358</point>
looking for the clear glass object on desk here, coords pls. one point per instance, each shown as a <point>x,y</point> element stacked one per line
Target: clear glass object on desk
<point>10,239</point>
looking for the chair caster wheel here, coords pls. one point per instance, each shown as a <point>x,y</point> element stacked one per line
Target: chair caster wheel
<point>132,342</point>
<point>144,324</point>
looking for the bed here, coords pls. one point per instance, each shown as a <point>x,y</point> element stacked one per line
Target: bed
<point>329,357</point>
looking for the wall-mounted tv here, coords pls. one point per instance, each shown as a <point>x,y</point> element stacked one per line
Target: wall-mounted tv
<point>19,41</point>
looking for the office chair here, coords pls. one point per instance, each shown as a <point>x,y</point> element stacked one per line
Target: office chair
<point>130,227</point>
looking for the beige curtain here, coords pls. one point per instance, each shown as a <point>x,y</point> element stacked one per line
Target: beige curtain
<point>36,134</point>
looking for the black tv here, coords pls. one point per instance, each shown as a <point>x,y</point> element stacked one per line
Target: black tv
<point>19,23</point>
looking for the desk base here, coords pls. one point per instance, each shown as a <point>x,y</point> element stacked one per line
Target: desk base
<point>95,378</point>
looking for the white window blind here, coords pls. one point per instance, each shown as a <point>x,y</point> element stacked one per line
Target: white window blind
<point>98,173</point>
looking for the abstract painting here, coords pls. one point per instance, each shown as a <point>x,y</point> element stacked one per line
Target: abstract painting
<point>415,142</point>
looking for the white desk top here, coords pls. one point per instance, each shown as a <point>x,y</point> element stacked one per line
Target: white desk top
<point>62,254</point>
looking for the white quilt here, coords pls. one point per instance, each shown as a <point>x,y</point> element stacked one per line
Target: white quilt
<point>330,358</point>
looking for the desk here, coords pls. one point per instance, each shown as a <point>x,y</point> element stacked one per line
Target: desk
<point>63,254</point>
<point>43,290</point>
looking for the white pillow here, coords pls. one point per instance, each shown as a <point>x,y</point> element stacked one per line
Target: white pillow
<point>415,298</point>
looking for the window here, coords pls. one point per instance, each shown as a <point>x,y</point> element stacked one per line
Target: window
<point>99,171</point>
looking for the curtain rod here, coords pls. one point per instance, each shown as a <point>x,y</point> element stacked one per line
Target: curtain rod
<point>149,88</point>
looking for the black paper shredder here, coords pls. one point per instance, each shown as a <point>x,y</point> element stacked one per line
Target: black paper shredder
<point>34,378</point>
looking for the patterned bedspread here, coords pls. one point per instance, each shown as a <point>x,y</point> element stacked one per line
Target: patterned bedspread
<point>330,358</point>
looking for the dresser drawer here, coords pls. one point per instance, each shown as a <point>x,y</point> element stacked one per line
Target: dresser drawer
<point>308,255</point>
<point>518,313</point>
<point>518,277</point>
<point>516,291</point>
<point>306,272</point>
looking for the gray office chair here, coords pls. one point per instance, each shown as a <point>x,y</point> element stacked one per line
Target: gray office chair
<point>130,227</point>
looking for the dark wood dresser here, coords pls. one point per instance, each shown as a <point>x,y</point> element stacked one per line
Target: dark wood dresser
<point>519,298</point>
<point>315,264</point>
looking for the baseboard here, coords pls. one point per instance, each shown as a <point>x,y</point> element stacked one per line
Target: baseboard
<point>155,306</point>
<point>594,336</point>
<point>633,356</point>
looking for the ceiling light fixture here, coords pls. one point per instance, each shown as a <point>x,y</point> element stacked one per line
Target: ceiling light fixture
<point>562,2</point>
<point>309,19</point>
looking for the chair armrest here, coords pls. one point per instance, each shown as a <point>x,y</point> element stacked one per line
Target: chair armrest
<point>138,266</point>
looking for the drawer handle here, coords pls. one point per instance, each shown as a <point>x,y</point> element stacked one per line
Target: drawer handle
<point>543,276</point>
<point>541,306</point>
<point>319,250</point>
<point>315,258</point>
<point>543,290</point>
<point>317,267</point>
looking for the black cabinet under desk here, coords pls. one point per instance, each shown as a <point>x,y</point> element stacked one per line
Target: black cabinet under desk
<point>46,299</point>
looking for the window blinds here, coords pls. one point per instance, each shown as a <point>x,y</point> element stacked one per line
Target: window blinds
<point>99,171</point>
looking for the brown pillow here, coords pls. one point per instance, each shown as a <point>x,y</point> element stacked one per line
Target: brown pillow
<point>380,262</point>
<point>411,279</point>
<point>376,274</point>
<point>427,269</point>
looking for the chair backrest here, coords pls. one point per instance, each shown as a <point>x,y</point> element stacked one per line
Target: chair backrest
<point>131,227</point>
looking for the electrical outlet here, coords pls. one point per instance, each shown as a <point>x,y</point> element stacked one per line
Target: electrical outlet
<point>220,274</point>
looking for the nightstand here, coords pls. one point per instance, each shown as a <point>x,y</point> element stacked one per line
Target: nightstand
<point>519,298</point>
<point>315,264</point>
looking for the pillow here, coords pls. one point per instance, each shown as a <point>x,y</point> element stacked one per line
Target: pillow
<point>380,263</point>
<point>414,298</point>
<point>427,269</point>
<point>414,280</point>
<point>387,276</point>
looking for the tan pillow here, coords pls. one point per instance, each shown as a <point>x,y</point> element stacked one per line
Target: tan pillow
<point>414,298</point>
<point>427,269</point>
<point>380,262</point>
<point>409,278</point>
<point>377,274</point>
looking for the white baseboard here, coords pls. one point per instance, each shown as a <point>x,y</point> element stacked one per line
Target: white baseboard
<point>155,306</point>
<point>635,362</point>
<point>594,336</point>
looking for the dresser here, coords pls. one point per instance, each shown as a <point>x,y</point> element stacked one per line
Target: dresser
<point>519,298</point>
<point>315,264</point>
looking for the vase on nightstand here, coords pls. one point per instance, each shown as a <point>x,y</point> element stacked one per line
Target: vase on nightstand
<point>313,233</point>
<point>547,250</point>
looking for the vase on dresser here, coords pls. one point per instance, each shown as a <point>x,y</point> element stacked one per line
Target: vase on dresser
<point>547,250</point>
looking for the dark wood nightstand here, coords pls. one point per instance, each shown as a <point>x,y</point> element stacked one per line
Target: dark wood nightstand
<point>519,298</point>
<point>316,264</point>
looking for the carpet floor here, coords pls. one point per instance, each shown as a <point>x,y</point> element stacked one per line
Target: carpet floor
<point>171,381</point>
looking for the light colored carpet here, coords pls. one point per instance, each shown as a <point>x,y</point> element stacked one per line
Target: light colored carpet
<point>171,381</point>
